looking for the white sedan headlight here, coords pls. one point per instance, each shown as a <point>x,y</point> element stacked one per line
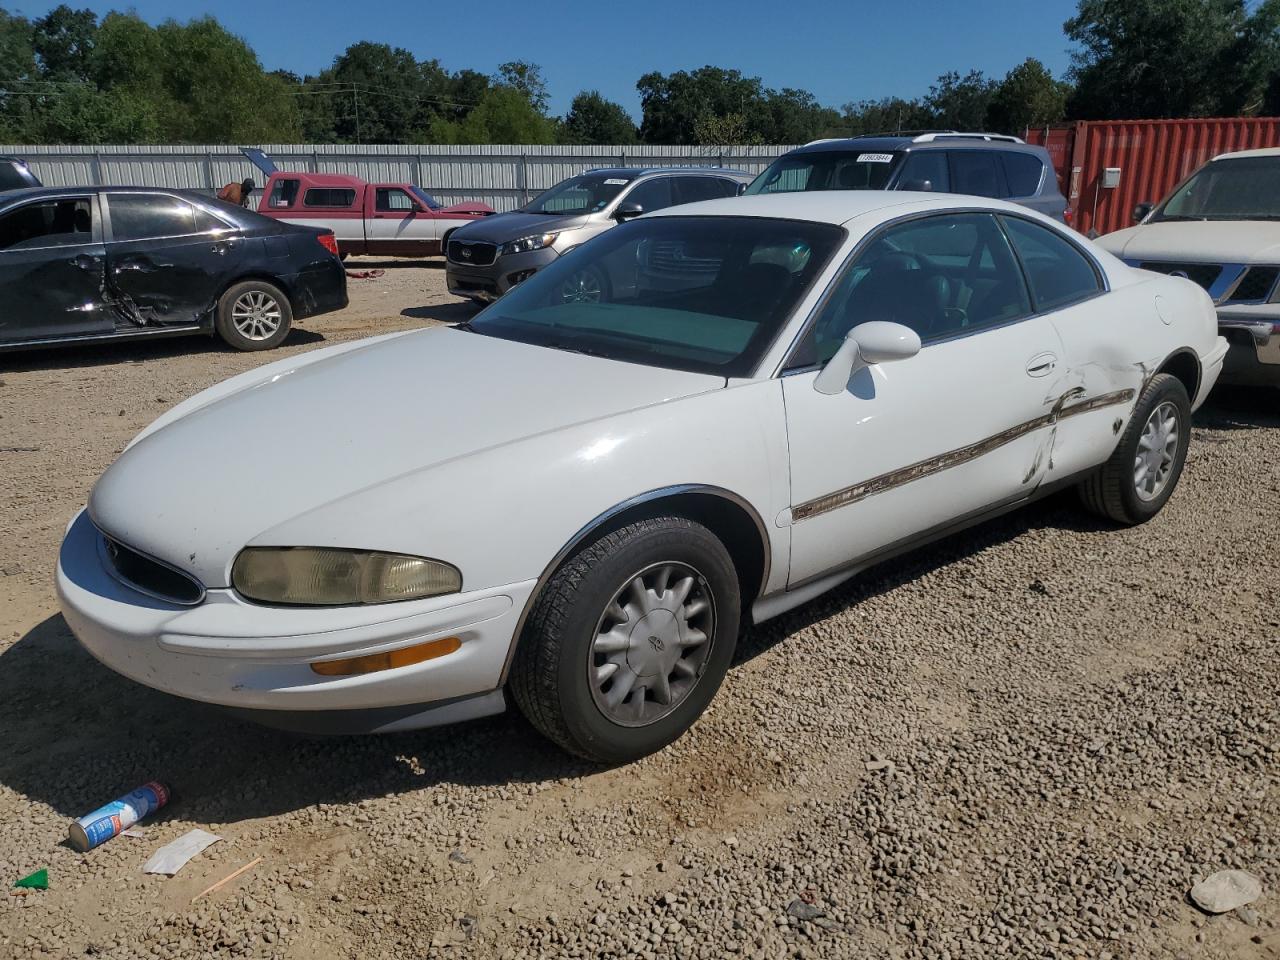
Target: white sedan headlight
<point>525,244</point>
<point>322,576</point>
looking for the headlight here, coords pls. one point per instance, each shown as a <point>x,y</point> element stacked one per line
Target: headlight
<point>319,576</point>
<point>525,244</point>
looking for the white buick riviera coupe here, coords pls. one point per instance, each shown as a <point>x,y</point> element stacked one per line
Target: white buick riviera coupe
<point>700,418</point>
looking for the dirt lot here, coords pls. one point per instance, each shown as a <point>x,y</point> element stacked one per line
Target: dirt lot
<point>1029,740</point>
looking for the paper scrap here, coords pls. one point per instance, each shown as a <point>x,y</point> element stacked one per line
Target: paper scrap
<point>136,832</point>
<point>172,857</point>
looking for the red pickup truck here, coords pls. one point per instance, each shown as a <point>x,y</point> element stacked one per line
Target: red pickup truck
<point>391,219</point>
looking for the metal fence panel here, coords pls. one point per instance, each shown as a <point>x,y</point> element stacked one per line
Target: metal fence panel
<point>501,175</point>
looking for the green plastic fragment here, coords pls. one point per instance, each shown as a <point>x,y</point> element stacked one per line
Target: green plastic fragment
<point>37,881</point>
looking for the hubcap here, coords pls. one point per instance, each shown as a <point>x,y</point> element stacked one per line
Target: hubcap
<point>651,644</point>
<point>1157,450</point>
<point>582,287</point>
<point>256,315</point>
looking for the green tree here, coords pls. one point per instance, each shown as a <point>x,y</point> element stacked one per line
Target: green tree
<point>711,130</point>
<point>960,103</point>
<point>672,104</point>
<point>504,115</point>
<point>593,119</point>
<point>1171,58</point>
<point>17,86</point>
<point>528,80</point>
<point>1028,96</point>
<point>795,116</point>
<point>889,115</point>
<point>63,41</point>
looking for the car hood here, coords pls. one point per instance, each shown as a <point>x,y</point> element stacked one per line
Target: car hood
<point>307,434</point>
<point>512,226</point>
<point>467,206</point>
<point>1198,241</point>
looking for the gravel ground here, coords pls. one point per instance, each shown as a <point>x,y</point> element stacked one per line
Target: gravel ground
<point>1029,740</point>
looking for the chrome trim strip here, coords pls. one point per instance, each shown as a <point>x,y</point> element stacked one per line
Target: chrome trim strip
<point>952,458</point>
<point>578,538</point>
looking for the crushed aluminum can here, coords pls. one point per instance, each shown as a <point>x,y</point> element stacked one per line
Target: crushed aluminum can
<point>104,823</point>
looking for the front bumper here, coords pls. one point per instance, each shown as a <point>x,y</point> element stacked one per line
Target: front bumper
<point>236,654</point>
<point>492,281</point>
<point>1254,334</point>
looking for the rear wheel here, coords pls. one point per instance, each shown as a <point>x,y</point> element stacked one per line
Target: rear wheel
<point>629,640</point>
<point>1133,485</point>
<point>253,315</point>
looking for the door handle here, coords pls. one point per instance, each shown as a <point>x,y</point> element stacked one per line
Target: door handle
<point>1041,365</point>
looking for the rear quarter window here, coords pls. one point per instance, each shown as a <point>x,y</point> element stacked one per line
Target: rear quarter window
<point>329,197</point>
<point>1024,174</point>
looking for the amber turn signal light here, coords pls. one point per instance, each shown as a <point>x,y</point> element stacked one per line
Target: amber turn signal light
<point>373,662</point>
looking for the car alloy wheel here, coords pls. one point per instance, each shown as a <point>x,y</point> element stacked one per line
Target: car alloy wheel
<point>582,287</point>
<point>256,315</point>
<point>651,644</point>
<point>1157,452</point>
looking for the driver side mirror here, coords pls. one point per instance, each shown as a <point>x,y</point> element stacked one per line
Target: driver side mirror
<point>919,186</point>
<point>627,210</point>
<point>875,341</point>
<point>1141,211</point>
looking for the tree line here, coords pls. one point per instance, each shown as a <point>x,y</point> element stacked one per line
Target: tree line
<point>72,77</point>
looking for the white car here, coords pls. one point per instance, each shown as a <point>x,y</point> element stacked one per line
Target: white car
<point>1221,228</point>
<point>582,503</point>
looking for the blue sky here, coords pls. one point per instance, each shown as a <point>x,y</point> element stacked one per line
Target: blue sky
<point>840,51</point>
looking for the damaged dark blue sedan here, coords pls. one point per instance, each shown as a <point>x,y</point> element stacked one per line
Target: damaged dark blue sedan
<point>80,264</point>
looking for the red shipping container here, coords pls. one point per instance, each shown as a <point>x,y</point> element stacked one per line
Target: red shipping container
<point>1146,160</point>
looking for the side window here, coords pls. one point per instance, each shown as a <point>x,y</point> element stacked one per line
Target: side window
<point>652,194</point>
<point>726,188</point>
<point>1058,272</point>
<point>941,276</point>
<point>390,199</point>
<point>284,193</point>
<point>146,216</point>
<point>925,165</point>
<point>1023,172</point>
<point>52,223</point>
<point>974,172</point>
<point>208,223</point>
<point>693,189</point>
<point>328,197</point>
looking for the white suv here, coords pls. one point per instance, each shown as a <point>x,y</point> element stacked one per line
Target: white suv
<point>1221,229</point>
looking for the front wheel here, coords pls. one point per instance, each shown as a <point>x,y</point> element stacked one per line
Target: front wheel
<point>1132,486</point>
<point>629,640</point>
<point>253,315</point>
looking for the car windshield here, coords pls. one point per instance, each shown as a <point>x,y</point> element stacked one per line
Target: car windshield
<point>582,194</point>
<point>431,202</point>
<point>705,294</point>
<point>826,170</point>
<point>1246,188</point>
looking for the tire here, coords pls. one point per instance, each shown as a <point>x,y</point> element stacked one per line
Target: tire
<point>566,648</point>
<point>253,315</point>
<point>1114,490</point>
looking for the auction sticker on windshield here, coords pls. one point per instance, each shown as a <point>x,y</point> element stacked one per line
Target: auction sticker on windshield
<point>615,182</point>
<point>875,158</point>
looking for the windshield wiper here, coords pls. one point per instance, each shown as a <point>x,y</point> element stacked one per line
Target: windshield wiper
<point>574,348</point>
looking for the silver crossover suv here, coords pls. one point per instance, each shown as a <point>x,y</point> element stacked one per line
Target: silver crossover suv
<point>486,258</point>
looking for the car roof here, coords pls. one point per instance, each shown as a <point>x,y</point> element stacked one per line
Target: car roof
<point>832,206</point>
<point>939,141</point>
<point>1264,152</point>
<point>633,172</point>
